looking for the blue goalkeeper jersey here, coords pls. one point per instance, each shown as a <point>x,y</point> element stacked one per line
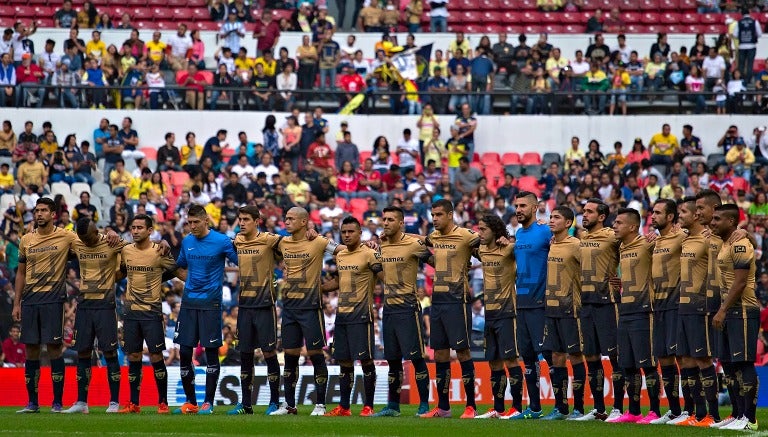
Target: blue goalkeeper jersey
<point>204,258</point>
<point>531,250</point>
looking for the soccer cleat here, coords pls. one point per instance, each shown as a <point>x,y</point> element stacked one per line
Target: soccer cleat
<point>271,408</point>
<point>689,421</point>
<point>528,414</point>
<point>725,422</point>
<point>751,426</point>
<point>509,414</point>
<point>469,413</point>
<point>114,407</point>
<point>490,414</point>
<point>706,422</point>
<point>162,408</point>
<point>240,409</point>
<point>649,418</point>
<point>318,411</point>
<point>555,415</point>
<point>187,408</point>
<point>57,408</point>
<point>206,409</point>
<point>284,410</point>
<point>739,424</point>
<point>423,408</point>
<point>614,415</point>
<point>592,415</point>
<point>387,412</point>
<point>436,412</point>
<point>627,417</point>
<point>77,407</point>
<point>366,411</point>
<point>131,408</point>
<point>29,409</point>
<point>339,411</point>
<point>683,417</point>
<point>575,415</point>
<point>667,417</point>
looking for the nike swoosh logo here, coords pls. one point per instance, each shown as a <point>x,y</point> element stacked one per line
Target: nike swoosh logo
<point>271,344</point>
<point>414,353</point>
<point>642,361</point>
<point>361,354</point>
<point>460,342</point>
<point>736,353</point>
<point>214,340</point>
<point>113,344</point>
<point>315,343</point>
<point>56,338</point>
<point>571,345</point>
<point>541,344</point>
<point>611,349</point>
<point>190,248</point>
<point>674,346</point>
<point>508,351</point>
<point>699,349</point>
<point>160,345</point>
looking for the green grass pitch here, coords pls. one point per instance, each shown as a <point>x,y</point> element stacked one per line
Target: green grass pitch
<point>148,423</point>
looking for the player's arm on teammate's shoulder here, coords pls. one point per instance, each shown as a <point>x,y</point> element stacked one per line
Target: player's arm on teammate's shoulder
<point>113,239</point>
<point>738,234</point>
<point>311,234</point>
<point>743,258</point>
<point>21,273</point>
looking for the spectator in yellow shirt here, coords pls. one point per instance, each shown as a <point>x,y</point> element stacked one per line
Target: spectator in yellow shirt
<point>120,179</point>
<point>214,211</point>
<point>6,179</point>
<point>140,185</point>
<point>48,145</point>
<point>574,154</point>
<point>95,48</point>
<point>741,159</point>
<point>155,50</point>
<point>268,62</point>
<point>32,172</point>
<point>619,84</point>
<point>664,146</point>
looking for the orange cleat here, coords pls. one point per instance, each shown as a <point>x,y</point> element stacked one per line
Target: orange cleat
<point>163,408</point>
<point>187,408</point>
<point>131,408</point>
<point>690,421</point>
<point>469,413</point>
<point>706,422</point>
<point>436,412</point>
<point>367,411</point>
<point>339,411</point>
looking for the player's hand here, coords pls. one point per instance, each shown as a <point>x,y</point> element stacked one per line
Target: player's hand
<point>503,241</point>
<point>383,237</point>
<point>112,238</point>
<point>373,245</point>
<point>651,237</point>
<point>737,235</point>
<point>719,320</point>
<point>707,232</point>
<point>17,313</point>
<point>543,222</point>
<point>311,234</point>
<point>163,248</point>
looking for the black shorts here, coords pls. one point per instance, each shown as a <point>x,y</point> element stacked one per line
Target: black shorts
<point>563,334</point>
<point>198,326</point>
<point>256,328</point>
<point>665,326</point>
<point>598,329</point>
<point>501,339</point>
<point>694,336</point>
<point>300,326</point>
<point>401,333</point>
<point>737,342</point>
<point>450,326</point>
<point>353,342</point>
<point>42,323</point>
<point>92,324</point>
<point>635,342</point>
<point>530,331</point>
<point>137,332</point>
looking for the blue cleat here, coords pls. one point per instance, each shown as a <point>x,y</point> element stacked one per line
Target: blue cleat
<point>423,408</point>
<point>206,409</point>
<point>240,409</point>
<point>387,412</point>
<point>555,415</point>
<point>575,415</point>
<point>30,409</point>
<point>272,408</point>
<point>528,414</point>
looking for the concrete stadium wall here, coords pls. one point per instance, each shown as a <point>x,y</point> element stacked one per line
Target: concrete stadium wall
<point>494,133</point>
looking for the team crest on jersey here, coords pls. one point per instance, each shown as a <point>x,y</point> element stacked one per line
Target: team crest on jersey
<point>739,249</point>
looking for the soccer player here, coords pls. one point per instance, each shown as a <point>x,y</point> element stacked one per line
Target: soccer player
<point>531,249</point>
<point>202,255</point>
<point>256,318</point>
<point>144,267</point>
<point>562,332</point>
<point>665,270</point>
<point>500,324</point>
<point>450,320</point>
<point>302,317</point>
<point>738,318</point>
<point>599,314</point>
<point>694,337</point>
<point>635,315</point>
<point>358,267</point>
<point>401,326</point>
<point>39,300</point>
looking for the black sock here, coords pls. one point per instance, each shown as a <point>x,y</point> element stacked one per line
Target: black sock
<point>579,377</point>
<point>686,380</point>
<point>395,383</point>
<point>560,388</point>
<point>671,379</point>
<point>711,391</point>
<point>468,379</point>
<point>161,379</point>
<point>516,386</point>
<point>212,372</point>
<point>596,383</point>
<point>321,377</point>
<point>83,378</point>
<point>113,376</point>
<point>634,383</point>
<point>57,377</point>
<point>134,380</point>
<point>422,379</point>
<point>498,389</point>
<point>369,383</point>
<point>32,377</point>
<point>290,376</point>
<point>532,383</point>
<point>749,386</point>
<point>697,393</point>
<point>443,382</point>
<point>187,374</point>
<point>346,374</point>
<point>652,386</point>
<point>733,388</point>
<point>246,377</point>
<point>619,382</point>
<point>273,378</point>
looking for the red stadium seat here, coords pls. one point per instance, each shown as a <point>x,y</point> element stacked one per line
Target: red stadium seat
<point>508,5</point>
<point>634,28</point>
<point>531,158</point>
<point>25,11</point>
<point>463,5</point>
<point>176,3</point>
<point>670,18</point>
<point>668,5</point>
<point>492,28</point>
<point>550,17</point>
<point>196,3</point>
<point>179,178</point>
<point>7,21</point>
<point>182,14</point>
<point>513,28</point>
<point>365,154</point>
<point>134,3</point>
<point>590,5</point>
<point>469,16</point>
<point>477,165</point>
<point>203,14</point>
<point>490,158</point>
<point>533,28</point>
<point>648,5</point>
<point>553,28</point>
<point>469,28</point>
<point>676,28</point>
<point>44,11</point>
<point>512,17</point>
<point>7,11</point>
<point>494,173</point>
<point>118,11</point>
<point>510,158</point>
<point>150,152</point>
<point>166,25</point>
<point>694,28</point>
<point>44,22</point>
<point>531,17</point>
<point>687,4</point>
<point>715,28</point>
<point>147,14</point>
<point>527,4</point>
<point>689,18</point>
<point>492,5</point>
<point>628,5</point>
<point>735,15</point>
<point>342,203</point>
<point>314,215</point>
<point>491,17</point>
<point>573,28</point>
<point>653,28</point>
<point>205,25</point>
<point>529,183</point>
<point>571,18</point>
<point>648,17</point>
<point>630,17</point>
<point>711,19</point>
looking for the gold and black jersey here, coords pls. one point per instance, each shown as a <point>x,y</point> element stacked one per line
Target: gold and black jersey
<point>256,261</point>
<point>45,257</point>
<point>400,261</point>
<point>666,271</point>
<point>357,272</point>
<point>144,269</point>
<point>499,271</point>
<point>713,278</point>
<point>303,266</point>
<point>98,267</point>
<point>738,256</point>
<point>635,265</point>
<point>694,261</point>
<point>599,262</point>
<point>564,278</point>
<point>452,252</point>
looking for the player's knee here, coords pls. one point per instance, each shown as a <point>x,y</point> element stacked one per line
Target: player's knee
<point>366,363</point>
<point>33,351</point>
<point>108,354</point>
<point>269,354</point>
<point>154,358</point>
<point>442,355</point>
<point>703,363</point>
<point>558,359</point>
<point>346,363</point>
<point>513,362</point>
<point>54,351</point>
<point>667,361</point>
<point>576,358</point>
<point>134,356</point>
<point>592,358</point>
<point>86,354</point>
<point>496,365</point>
<point>464,355</point>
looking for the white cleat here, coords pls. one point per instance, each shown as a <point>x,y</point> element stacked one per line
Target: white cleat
<point>723,423</point>
<point>114,407</point>
<point>739,424</point>
<point>592,415</point>
<point>667,417</point>
<point>681,418</point>
<point>491,414</point>
<point>284,410</point>
<point>78,407</point>
<point>613,415</point>
<point>319,410</point>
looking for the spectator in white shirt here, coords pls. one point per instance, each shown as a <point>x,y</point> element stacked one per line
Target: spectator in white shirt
<point>232,31</point>
<point>327,213</point>
<point>48,60</point>
<point>267,167</point>
<point>408,151</point>
<point>245,171</point>
<point>416,189</point>
<point>286,84</point>
<point>714,68</point>
<point>180,45</point>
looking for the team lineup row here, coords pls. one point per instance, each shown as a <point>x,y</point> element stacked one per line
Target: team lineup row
<point>641,301</point>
